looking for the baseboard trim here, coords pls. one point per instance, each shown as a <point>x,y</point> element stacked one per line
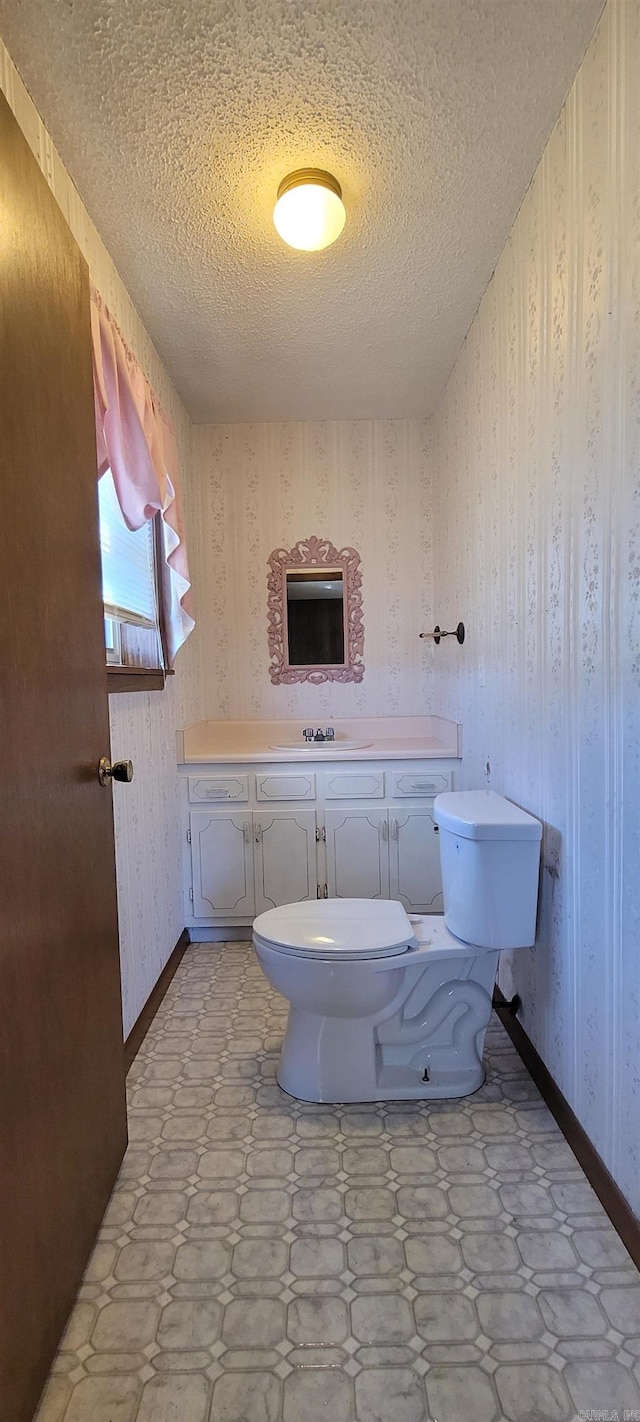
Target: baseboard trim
<point>234,933</point>
<point>610,1196</point>
<point>143,1022</point>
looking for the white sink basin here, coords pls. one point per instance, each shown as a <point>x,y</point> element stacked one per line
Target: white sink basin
<point>341,743</point>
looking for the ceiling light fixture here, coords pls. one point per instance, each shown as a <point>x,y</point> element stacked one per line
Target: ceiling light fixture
<point>309,213</point>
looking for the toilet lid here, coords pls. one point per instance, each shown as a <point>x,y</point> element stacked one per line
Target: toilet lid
<point>336,928</point>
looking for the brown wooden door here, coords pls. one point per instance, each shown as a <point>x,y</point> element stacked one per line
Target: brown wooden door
<point>63,1126</point>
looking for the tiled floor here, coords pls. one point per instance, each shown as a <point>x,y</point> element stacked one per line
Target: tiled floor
<point>263,1260</point>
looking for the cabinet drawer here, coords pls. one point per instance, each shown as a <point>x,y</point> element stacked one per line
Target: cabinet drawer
<point>405,783</point>
<point>218,787</point>
<point>354,785</point>
<point>286,787</point>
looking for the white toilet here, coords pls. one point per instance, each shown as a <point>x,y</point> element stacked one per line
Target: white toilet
<point>385,1007</point>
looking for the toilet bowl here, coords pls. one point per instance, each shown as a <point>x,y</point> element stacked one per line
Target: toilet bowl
<point>387,1007</point>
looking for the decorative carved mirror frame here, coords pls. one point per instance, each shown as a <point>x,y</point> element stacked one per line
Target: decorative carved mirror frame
<point>315,553</point>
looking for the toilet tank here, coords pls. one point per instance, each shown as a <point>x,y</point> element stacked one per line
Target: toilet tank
<point>490,861</point>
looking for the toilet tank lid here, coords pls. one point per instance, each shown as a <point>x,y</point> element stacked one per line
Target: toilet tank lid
<point>482,814</point>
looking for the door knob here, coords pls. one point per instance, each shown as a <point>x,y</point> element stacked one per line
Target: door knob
<point>120,770</point>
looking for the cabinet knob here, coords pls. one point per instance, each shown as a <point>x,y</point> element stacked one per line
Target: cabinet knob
<point>120,770</point>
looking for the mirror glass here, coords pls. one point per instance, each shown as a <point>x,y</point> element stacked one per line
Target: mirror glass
<point>315,617</point>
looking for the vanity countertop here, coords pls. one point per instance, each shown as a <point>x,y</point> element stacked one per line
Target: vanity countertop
<point>382,738</point>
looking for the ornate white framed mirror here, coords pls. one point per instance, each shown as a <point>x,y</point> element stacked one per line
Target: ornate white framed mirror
<point>316,631</point>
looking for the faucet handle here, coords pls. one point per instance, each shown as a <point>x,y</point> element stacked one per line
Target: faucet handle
<point>308,733</point>
<point>330,733</point>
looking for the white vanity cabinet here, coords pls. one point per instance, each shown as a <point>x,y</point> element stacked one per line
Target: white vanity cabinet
<point>414,860</point>
<point>285,857</point>
<point>221,864</point>
<point>384,854</point>
<point>257,836</point>
<point>357,853</point>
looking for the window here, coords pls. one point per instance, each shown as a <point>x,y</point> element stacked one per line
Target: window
<point>129,587</point>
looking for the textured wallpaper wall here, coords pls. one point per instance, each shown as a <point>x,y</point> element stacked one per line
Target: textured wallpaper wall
<point>142,725</point>
<point>537,444</point>
<point>362,483</point>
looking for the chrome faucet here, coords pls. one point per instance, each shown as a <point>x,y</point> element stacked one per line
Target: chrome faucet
<point>320,735</point>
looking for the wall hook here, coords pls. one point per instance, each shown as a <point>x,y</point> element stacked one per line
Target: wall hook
<point>438,633</point>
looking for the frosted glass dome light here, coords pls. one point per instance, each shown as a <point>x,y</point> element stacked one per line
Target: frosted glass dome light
<point>309,213</point>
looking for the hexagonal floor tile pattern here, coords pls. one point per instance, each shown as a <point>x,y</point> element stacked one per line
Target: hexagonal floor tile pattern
<point>266,1260</point>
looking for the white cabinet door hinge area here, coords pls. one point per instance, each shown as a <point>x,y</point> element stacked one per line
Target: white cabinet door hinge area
<point>222,864</point>
<point>284,857</point>
<point>414,860</point>
<point>357,854</point>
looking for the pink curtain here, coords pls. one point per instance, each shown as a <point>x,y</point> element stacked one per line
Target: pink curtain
<point>136,441</point>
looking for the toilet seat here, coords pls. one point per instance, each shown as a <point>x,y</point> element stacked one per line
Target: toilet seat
<point>336,929</point>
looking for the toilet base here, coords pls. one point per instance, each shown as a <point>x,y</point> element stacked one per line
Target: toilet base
<point>334,1060</point>
<point>410,1026</point>
<point>390,1088</point>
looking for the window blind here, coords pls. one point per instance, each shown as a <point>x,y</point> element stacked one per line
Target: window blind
<point>128,576</point>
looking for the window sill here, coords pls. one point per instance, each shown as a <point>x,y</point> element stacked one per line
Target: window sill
<point>135,679</point>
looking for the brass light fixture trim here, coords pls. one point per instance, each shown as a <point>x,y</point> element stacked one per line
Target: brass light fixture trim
<point>310,175</point>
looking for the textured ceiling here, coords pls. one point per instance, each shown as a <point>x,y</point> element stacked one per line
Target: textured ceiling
<point>178,118</point>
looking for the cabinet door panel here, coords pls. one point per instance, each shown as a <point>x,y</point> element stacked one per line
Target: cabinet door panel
<point>222,862</point>
<point>357,854</point>
<point>415,860</point>
<point>285,857</point>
